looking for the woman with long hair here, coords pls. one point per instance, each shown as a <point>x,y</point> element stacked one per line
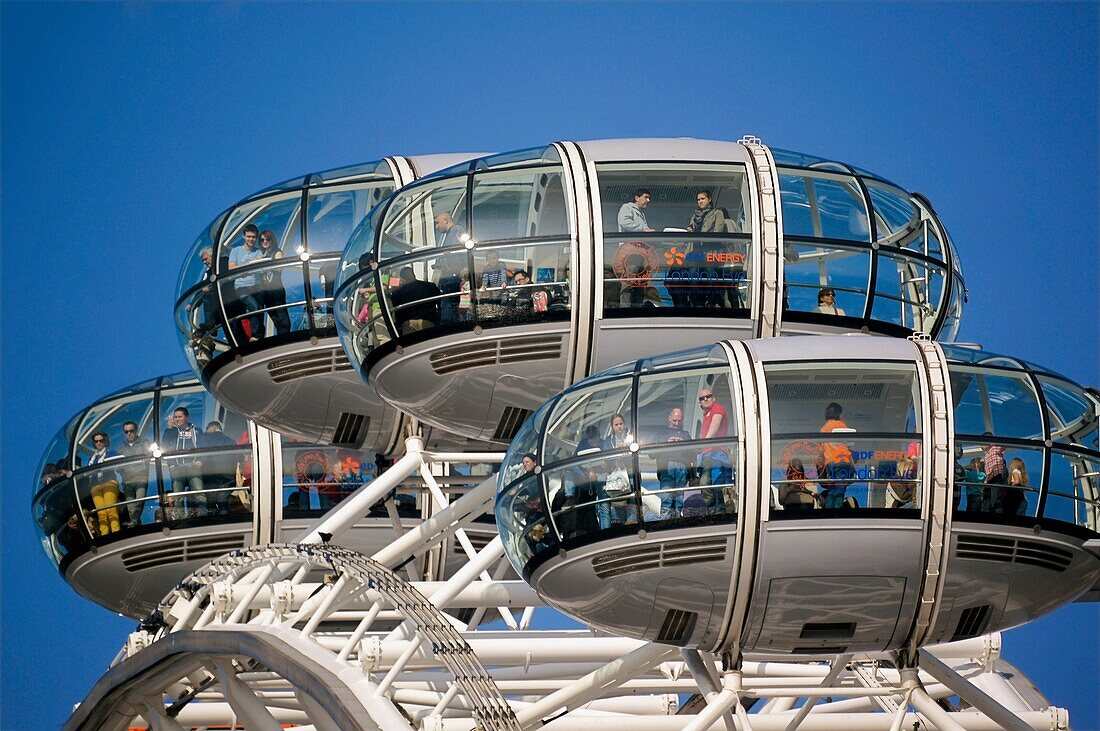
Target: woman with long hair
<point>1014,497</point>
<point>273,292</point>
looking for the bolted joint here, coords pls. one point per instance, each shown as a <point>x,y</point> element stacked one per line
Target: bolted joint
<point>370,654</point>
<point>137,641</point>
<point>282,597</point>
<point>221,597</point>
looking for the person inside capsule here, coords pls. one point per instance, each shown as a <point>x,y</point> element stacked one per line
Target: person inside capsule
<point>450,233</point>
<point>631,216</point>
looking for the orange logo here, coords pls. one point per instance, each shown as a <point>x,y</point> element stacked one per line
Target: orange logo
<point>674,257</point>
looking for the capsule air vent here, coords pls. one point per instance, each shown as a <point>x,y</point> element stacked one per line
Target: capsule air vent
<point>496,352</point>
<point>831,650</point>
<point>510,422</point>
<point>1012,550</point>
<point>828,631</point>
<point>677,627</point>
<point>972,622</point>
<point>312,363</point>
<point>350,429</point>
<point>165,553</point>
<point>652,556</point>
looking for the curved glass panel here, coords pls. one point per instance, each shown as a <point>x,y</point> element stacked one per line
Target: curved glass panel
<point>334,214</point>
<point>1003,443</point>
<point>1070,413</point>
<point>61,527</point>
<point>812,271</point>
<point>904,270</point>
<point>432,213</point>
<point>56,460</point>
<point>517,204</point>
<point>1073,495</point>
<point>871,457</point>
<point>908,291</point>
<point>198,264</point>
<point>273,273</point>
<point>163,453</point>
<point>823,205</point>
<point>522,516</point>
<point>999,480</point>
<point>360,247</point>
<point>995,402</point>
<point>519,157</point>
<point>623,451</point>
<point>372,169</point>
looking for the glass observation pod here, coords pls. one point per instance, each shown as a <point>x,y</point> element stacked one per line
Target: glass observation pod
<point>254,304</point>
<point>809,495</point>
<point>472,296</point>
<point>147,484</point>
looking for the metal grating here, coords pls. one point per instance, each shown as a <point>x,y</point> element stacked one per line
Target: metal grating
<point>350,429</point>
<point>972,622</point>
<point>510,422</point>
<point>677,627</point>
<point>477,540</point>
<point>843,392</point>
<point>165,553</point>
<point>1013,550</point>
<point>659,555</point>
<point>312,363</point>
<point>496,352</point>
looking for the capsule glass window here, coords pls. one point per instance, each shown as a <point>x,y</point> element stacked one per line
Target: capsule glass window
<point>823,205</point>
<point>1072,415</point>
<point>589,420</point>
<point>908,291</point>
<point>996,401</point>
<point>517,204</point>
<point>1073,492</point>
<point>676,236</point>
<point>845,436</point>
<point>334,213</point>
<point>433,213</point>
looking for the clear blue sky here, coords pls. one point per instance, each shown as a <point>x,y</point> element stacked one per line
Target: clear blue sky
<point>127,127</point>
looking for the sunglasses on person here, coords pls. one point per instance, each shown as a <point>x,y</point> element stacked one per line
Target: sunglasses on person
<point>129,431</point>
<point>706,396</point>
<point>99,440</point>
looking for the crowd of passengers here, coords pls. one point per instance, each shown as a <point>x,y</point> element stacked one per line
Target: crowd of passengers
<point>593,498</point>
<point>503,292</point>
<point>115,497</point>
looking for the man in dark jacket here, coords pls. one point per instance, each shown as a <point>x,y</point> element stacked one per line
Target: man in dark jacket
<point>416,303</point>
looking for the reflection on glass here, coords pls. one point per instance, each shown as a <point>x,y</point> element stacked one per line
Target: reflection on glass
<point>606,466</point>
<point>994,401</point>
<point>317,478</point>
<point>845,437</point>
<point>677,271</point>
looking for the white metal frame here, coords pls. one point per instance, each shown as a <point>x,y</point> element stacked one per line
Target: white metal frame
<point>306,634</point>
